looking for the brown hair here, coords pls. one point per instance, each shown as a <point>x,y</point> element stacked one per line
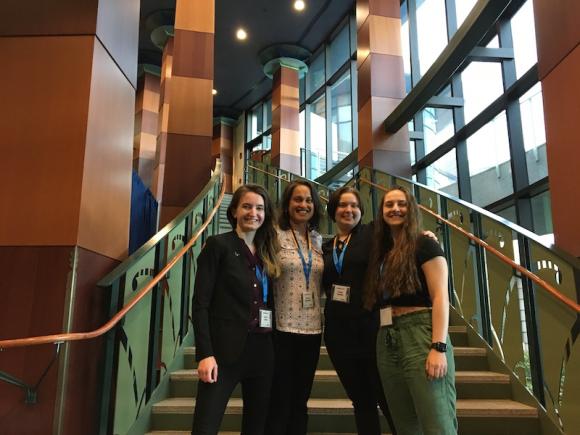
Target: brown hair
<point>284,217</point>
<point>335,199</point>
<point>392,266</point>
<point>266,239</point>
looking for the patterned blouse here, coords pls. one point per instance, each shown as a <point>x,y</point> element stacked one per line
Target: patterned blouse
<point>288,288</point>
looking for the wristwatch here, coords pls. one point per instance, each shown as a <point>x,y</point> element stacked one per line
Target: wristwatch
<point>439,346</point>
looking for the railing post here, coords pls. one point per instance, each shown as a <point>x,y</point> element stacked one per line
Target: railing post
<point>186,278</point>
<point>156,319</point>
<point>483,293</point>
<point>110,358</point>
<point>534,350</point>
<point>447,248</point>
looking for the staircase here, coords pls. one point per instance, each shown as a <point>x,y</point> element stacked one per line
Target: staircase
<point>484,407</point>
<point>223,223</point>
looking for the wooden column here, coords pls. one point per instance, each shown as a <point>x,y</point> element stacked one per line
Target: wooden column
<point>146,124</point>
<point>558,37</point>
<point>285,124</point>
<point>68,82</point>
<point>190,110</point>
<point>381,86</point>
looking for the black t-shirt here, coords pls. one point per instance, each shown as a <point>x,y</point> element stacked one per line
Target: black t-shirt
<point>426,250</point>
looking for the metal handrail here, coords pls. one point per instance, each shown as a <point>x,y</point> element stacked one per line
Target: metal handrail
<point>284,179</point>
<point>535,278</point>
<point>78,336</point>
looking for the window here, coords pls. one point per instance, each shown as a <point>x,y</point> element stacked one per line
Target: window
<point>431,31</point>
<point>524,38</point>
<point>317,138</point>
<point>442,174</point>
<point>532,112</point>
<point>482,84</point>
<point>542,214</point>
<point>338,51</point>
<point>437,127</point>
<point>341,119</point>
<point>315,75</point>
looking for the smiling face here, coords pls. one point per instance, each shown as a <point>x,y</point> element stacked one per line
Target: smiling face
<point>249,213</point>
<point>301,206</point>
<point>348,214</point>
<point>395,208</point>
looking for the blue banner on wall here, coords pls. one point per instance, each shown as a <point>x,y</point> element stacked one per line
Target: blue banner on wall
<point>143,214</point>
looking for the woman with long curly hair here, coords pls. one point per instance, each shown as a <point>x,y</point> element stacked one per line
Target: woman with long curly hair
<point>407,280</point>
<point>232,314</point>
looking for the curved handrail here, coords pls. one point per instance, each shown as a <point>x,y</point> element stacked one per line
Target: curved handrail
<point>284,179</point>
<point>535,278</point>
<point>78,336</point>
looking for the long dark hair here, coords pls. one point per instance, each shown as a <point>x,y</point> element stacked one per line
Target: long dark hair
<point>283,214</point>
<point>266,239</point>
<point>392,266</point>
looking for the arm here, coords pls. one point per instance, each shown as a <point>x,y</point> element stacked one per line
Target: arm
<point>435,271</point>
<point>205,281</point>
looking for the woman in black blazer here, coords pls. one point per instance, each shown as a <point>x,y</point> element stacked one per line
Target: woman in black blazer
<point>232,314</point>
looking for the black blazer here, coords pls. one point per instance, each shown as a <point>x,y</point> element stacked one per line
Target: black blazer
<point>222,298</point>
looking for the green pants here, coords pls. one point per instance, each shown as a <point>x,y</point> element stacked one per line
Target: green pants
<point>418,405</point>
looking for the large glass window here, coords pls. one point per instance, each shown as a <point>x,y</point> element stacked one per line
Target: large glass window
<point>315,75</point>
<point>318,137</point>
<point>463,8</point>
<point>524,38</point>
<point>341,119</point>
<point>405,46</point>
<point>482,84</point>
<point>542,214</point>
<point>431,31</point>
<point>338,51</point>
<point>268,114</point>
<point>442,174</point>
<point>437,127</point>
<point>255,122</point>
<point>489,162</point>
<point>532,111</point>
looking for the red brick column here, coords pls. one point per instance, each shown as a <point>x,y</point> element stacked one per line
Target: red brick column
<point>558,35</point>
<point>381,86</point>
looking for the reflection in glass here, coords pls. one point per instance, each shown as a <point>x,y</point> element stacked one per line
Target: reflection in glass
<point>532,112</point>
<point>431,31</point>
<point>524,38</point>
<point>317,138</point>
<point>542,214</point>
<point>437,127</point>
<point>315,75</point>
<point>341,119</point>
<point>489,162</point>
<point>338,51</point>
<point>442,174</point>
<point>482,84</point>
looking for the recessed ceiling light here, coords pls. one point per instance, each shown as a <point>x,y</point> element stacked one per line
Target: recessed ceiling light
<point>241,34</point>
<point>214,92</point>
<point>299,5</point>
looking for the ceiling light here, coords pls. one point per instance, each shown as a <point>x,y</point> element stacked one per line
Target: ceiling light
<point>214,92</point>
<point>241,34</point>
<point>299,5</point>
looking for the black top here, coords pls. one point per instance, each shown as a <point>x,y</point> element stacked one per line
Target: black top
<point>356,259</point>
<point>427,249</point>
<point>223,298</point>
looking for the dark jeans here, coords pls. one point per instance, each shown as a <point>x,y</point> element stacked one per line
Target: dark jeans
<point>351,344</point>
<point>254,371</point>
<point>296,358</point>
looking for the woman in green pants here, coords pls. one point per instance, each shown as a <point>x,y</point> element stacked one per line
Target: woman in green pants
<point>407,278</point>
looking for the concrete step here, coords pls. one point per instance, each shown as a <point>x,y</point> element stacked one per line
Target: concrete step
<point>336,416</point>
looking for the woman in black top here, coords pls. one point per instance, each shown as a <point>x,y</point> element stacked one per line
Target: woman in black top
<point>232,314</point>
<point>408,280</point>
<point>350,330</point>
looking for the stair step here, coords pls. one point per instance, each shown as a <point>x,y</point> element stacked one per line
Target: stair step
<point>336,416</point>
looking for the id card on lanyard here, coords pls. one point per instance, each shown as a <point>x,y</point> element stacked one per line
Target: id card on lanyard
<point>340,293</point>
<point>307,296</point>
<point>265,319</point>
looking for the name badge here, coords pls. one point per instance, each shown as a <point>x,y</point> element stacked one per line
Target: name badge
<point>265,318</point>
<point>341,293</point>
<point>307,300</point>
<point>386,316</point>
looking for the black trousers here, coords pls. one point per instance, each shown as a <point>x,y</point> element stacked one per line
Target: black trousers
<point>351,345</point>
<point>296,358</point>
<point>254,371</point>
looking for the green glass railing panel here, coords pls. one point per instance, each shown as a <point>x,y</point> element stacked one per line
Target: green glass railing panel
<point>210,200</point>
<point>430,200</point>
<point>506,301</point>
<point>558,326</point>
<point>366,196</point>
<point>404,183</point>
<point>463,264</point>
<point>383,179</point>
<point>260,177</point>
<point>172,296</point>
<point>134,348</point>
<point>273,188</point>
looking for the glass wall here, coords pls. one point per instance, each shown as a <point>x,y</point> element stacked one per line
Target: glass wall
<point>341,118</point>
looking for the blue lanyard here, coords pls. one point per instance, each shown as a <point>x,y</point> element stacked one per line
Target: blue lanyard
<point>306,267</point>
<point>264,279</point>
<point>338,260</point>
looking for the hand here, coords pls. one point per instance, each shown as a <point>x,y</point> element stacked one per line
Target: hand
<point>436,365</point>
<point>430,234</point>
<point>207,370</point>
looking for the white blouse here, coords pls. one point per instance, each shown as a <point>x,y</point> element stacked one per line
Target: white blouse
<point>288,288</point>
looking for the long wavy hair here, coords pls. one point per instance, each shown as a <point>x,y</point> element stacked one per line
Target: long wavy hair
<point>266,239</point>
<point>392,266</point>
<point>283,213</point>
